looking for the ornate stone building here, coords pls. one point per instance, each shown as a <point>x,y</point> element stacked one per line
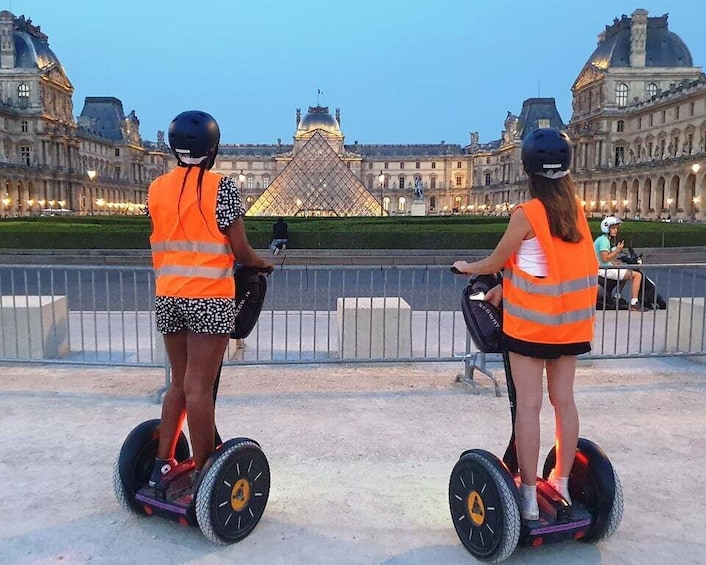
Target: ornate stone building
<point>48,160</point>
<point>638,128</point>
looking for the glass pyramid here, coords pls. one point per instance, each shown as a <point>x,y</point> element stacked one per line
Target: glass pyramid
<point>316,182</point>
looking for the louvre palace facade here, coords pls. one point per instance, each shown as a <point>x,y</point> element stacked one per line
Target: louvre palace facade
<point>638,126</point>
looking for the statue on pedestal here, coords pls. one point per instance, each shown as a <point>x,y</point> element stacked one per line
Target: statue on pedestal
<point>418,188</point>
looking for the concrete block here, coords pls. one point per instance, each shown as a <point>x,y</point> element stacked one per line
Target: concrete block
<point>34,327</point>
<point>374,327</point>
<point>685,324</point>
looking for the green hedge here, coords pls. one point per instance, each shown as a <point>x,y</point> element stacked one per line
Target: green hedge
<point>437,232</point>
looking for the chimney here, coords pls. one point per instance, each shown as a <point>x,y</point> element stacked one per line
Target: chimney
<point>638,38</point>
<point>338,116</point>
<point>299,117</point>
<point>7,40</point>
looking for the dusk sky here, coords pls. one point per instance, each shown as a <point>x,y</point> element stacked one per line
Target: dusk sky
<point>408,71</point>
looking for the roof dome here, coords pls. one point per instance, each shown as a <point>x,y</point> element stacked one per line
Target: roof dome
<point>318,117</point>
<point>32,49</point>
<point>663,47</point>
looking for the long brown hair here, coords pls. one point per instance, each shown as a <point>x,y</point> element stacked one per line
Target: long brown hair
<point>559,199</point>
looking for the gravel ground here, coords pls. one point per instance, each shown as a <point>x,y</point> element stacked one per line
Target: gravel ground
<point>360,459</point>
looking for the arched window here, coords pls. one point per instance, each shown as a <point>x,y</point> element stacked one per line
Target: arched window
<point>651,90</point>
<point>401,204</point>
<point>621,94</point>
<point>23,95</point>
<point>401,179</point>
<point>265,181</point>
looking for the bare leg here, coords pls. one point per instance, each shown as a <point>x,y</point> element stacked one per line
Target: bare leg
<point>560,381</point>
<point>205,353</point>
<point>636,281</point>
<point>527,374</point>
<point>174,402</point>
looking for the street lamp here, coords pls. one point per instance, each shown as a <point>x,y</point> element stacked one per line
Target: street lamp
<point>381,180</point>
<point>92,173</point>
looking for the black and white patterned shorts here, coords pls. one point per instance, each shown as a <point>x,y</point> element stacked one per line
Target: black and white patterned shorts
<point>198,315</point>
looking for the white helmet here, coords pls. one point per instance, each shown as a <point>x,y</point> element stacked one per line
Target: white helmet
<point>609,221</point>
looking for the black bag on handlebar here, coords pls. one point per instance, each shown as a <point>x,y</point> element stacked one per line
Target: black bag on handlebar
<point>483,320</point>
<point>250,290</point>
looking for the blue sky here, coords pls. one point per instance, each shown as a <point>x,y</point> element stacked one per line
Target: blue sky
<point>407,71</point>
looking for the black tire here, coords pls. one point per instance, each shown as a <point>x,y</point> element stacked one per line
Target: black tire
<point>135,461</point>
<point>661,302</point>
<point>485,506</point>
<point>233,492</point>
<point>594,484</point>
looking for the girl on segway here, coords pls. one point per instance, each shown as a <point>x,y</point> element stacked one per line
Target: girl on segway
<point>197,231</point>
<point>548,293</point>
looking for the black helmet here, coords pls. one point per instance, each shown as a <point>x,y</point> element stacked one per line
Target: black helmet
<point>546,152</point>
<point>193,138</point>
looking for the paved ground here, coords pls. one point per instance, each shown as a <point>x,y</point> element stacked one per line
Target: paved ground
<point>360,459</point>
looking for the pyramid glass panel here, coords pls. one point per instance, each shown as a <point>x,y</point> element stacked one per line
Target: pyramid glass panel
<point>316,182</point>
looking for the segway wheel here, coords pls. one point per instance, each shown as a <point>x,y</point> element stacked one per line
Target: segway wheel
<point>485,506</point>
<point>233,492</point>
<point>595,485</point>
<point>135,461</point>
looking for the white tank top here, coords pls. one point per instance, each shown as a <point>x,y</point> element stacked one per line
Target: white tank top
<point>531,258</point>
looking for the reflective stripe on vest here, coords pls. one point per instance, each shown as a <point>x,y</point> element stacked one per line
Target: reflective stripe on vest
<point>193,246</point>
<point>549,319</point>
<point>565,287</point>
<point>203,272</point>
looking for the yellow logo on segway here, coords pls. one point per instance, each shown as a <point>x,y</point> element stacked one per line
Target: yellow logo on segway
<point>476,508</point>
<point>240,495</point>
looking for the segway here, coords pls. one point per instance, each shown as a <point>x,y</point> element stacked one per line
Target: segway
<point>484,494</point>
<point>230,494</point>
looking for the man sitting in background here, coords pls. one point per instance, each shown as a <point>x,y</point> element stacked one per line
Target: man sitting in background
<point>281,236</point>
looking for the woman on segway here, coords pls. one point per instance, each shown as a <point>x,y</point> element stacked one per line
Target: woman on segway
<point>549,294</point>
<point>197,231</point>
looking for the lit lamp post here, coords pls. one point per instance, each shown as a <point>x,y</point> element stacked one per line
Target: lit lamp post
<point>625,208</point>
<point>91,179</point>
<point>695,168</point>
<point>30,204</point>
<point>669,208</point>
<point>381,180</point>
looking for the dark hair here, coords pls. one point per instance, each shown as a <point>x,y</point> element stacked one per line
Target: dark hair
<point>559,199</point>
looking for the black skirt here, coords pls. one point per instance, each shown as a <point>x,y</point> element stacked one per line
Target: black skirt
<point>544,350</point>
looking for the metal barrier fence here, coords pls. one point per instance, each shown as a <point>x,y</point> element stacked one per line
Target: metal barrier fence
<point>351,314</point>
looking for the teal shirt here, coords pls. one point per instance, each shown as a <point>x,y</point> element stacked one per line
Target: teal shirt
<point>602,243</point>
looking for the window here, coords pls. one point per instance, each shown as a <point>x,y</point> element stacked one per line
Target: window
<point>152,159</point>
<point>25,154</point>
<point>418,164</point>
<point>117,151</point>
<point>664,116</point>
<point>265,181</point>
<point>691,108</point>
<point>487,160</point>
<point>621,94</point>
<point>639,122</point>
<point>652,119</point>
<point>676,113</point>
<point>401,203</point>
<point>432,182</point>
<point>370,165</point>
<point>620,126</point>
<point>432,204</point>
<point>651,90</point>
<point>543,123</point>
<point>487,179</point>
<point>433,165</point>
<point>401,179</point>
<point>619,156</point>
<point>386,165</point>
<point>458,165</point>
<point>23,95</point>
<point>250,182</point>
<point>401,166</point>
<point>117,173</point>
<point>459,181</point>
<point>25,126</point>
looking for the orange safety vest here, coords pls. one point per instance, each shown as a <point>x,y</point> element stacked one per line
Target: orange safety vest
<point>559,308</point>
<point>191,257</point>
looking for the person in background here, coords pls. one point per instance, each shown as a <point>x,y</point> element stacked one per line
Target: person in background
<point>197,233</point>
<point>281,236</point>
<point>607,249</point>
<point>548,294</point>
